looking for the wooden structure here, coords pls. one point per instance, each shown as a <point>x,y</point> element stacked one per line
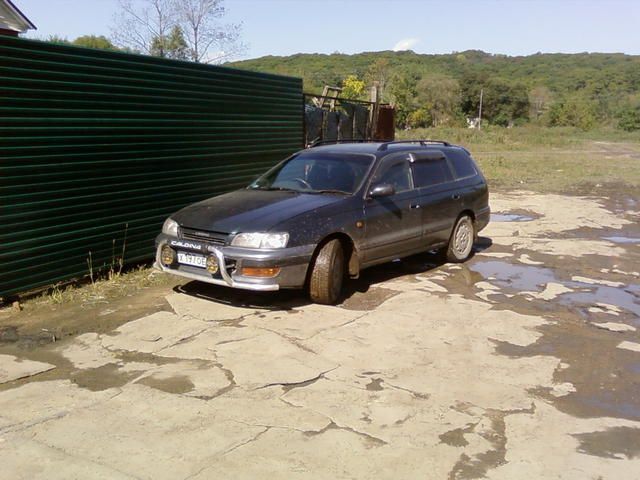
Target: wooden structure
<point>12,21</point>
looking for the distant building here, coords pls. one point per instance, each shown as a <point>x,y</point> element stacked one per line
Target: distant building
<point>12,21</point>
<point>473,122</point>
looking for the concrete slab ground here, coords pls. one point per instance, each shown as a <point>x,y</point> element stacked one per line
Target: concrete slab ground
<point>519,364</point>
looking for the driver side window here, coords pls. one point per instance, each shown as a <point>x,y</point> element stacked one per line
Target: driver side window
<point>395,172</point>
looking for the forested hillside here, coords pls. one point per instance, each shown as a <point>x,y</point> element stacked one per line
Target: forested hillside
<point>583,90</point>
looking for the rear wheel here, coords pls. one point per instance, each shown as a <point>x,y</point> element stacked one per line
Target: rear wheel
<point>461,241</point>
<point>327,275</point>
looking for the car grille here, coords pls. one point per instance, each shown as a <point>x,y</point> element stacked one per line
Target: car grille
<point>215,238</point>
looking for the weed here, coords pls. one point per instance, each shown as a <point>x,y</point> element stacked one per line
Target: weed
<point>117,263</point>
<point>124,246</point>
<point>56,295</point>
<point>90,265</point>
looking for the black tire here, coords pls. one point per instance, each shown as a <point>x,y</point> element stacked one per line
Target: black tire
<point>327,275</point>
<point>461,241</point>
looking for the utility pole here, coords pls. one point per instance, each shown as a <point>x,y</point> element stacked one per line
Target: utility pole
<point>375,107</point>
<point>480,110</point>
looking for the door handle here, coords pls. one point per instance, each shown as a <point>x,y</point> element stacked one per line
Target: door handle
<point>456,196</point>
<point>414,206</point>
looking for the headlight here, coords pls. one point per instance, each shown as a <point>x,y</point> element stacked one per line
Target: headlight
<point>260,240</point>
<point>170,227</point>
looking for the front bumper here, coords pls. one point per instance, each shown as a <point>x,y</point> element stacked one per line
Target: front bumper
<point>293,263</point>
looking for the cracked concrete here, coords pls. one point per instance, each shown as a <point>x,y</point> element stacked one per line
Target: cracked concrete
<point>13,368</point>
<point>425,371</point>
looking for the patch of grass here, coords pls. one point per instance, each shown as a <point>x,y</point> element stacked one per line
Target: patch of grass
<point>563,160</point>
<point>102,289</point>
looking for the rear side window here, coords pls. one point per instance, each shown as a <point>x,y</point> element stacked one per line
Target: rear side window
<point>462,163</point>
<point>431,172</point>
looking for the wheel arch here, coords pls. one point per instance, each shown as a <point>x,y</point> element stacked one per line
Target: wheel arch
<point>467,211</point>
<point>350,252</point>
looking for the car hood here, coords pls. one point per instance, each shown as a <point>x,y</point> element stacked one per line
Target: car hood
<point>250,210</point>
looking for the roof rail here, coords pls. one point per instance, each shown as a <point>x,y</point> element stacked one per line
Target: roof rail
<point>423,143</point>
<point>318,143</point>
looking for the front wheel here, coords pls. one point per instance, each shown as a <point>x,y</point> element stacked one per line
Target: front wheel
<point>461,241</point>
<point>327,275</point>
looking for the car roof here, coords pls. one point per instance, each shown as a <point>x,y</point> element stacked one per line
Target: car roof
<point>374,148</point>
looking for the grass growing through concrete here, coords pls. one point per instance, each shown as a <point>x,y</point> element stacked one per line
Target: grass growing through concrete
<point>561,160</point>
<point>84,306</point>
<point>99,290</point>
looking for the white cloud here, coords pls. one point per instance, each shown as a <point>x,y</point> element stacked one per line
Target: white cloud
<point>405,44</point>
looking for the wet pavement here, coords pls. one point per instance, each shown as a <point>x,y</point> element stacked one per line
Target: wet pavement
<point>523,362</point>
<point>617,239</point>
<point>511,217</point>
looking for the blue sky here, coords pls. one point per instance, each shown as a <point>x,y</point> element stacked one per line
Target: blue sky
<point>284,27</point>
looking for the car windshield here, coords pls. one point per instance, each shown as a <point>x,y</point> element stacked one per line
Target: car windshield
<point>315,172</point>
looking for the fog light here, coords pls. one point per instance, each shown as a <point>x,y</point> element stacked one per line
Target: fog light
<point>212,265</point>
<point>167,255</point>
<point>260,272</point>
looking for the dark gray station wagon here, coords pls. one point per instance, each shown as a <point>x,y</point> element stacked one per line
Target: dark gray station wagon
<point>328,212</point>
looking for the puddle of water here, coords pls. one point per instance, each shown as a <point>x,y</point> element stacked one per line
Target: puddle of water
<point>616,442</point>
<point>612,404</point>
<point>375,385</point>
<point>103,378</point>
<point>517,277</point>
<point>620,297</point>
<point>598,392</point>
<point>624,240</point>
<point>510,217</point>
<point>11,334</point>
<point>175,384</point>
<point>533,278</point>
<point>369,299</point>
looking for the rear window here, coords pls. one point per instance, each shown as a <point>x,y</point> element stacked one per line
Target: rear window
<point>431,172</point>
<point>462,163</point>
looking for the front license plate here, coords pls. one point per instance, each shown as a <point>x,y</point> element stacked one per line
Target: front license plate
<point>192,259</point>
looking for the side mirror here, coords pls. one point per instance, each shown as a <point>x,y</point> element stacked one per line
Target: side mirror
<point>382,190</point>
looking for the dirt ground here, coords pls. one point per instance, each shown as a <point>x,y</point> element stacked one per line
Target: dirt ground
<point>523,362</point>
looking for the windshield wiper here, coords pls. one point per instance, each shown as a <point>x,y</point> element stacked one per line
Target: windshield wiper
<point>328,190</point>
<point>286,189</point>
<point>280,189</point>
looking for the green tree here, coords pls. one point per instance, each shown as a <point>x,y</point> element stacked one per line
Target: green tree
<point>57,39</point>
<point>575,110</point>
<point>172,46</point>
<point>86,41</point>
<point>147,25</point>
<point>209,40</point>
<point>352,87</point>
<point>440,96</point>
<point>94,41</point>
<point>403,96</point>
<point>379,71</point>
<point>539,99</point>
<point>607,79</point>
<point>419,118</point>
<point>504,103</point>
<point>470,85</point>
<point>629,118</point>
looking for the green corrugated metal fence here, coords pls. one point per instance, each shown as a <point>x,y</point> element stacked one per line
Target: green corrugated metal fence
<point>92,141</point>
